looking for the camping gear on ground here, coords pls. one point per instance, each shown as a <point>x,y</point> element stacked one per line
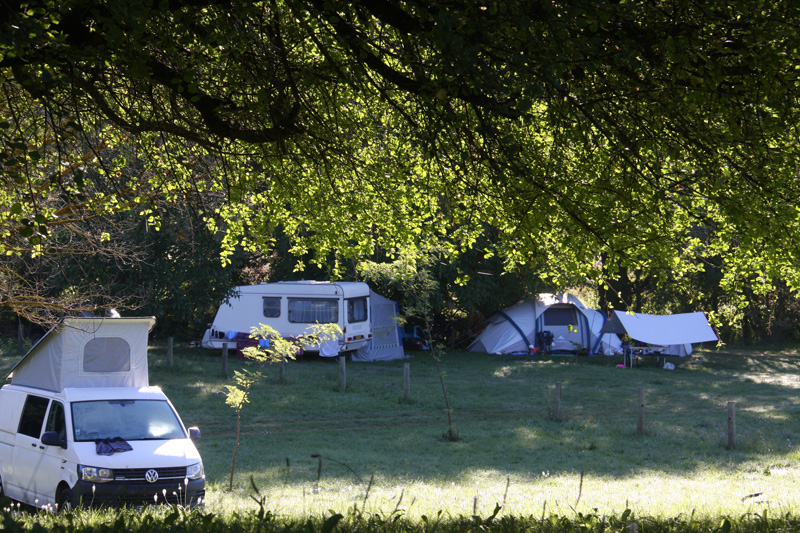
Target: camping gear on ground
<point>544,341</point>
<point>575,328</point>
<point>414,337</point>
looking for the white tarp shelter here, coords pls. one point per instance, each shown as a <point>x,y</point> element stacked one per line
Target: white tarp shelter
<point>386,343</point>
<point>676,332</point>
<point>88,352</point>
<point>573,325</point>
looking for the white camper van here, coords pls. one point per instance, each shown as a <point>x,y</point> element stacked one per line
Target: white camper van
<point>291,307</point>
<point>82,426</point>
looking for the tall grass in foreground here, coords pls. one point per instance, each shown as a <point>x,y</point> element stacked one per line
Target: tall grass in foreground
<point>261,519</point>
<point>315,452</point>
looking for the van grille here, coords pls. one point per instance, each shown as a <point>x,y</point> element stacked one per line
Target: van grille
<point>137,475</point>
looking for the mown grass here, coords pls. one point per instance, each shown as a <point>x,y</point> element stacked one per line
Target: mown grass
<point>313,451</point>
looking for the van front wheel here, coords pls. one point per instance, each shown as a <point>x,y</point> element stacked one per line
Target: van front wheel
<point>64,500</point>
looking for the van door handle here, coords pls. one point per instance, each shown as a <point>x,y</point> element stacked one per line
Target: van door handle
<point>33,444</point>
<point>41,447</point>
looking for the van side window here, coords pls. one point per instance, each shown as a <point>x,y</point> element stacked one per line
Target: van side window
<point>56,421</point>
<point>272,307</point>
<point>33,416</point>
<point>357,310</point>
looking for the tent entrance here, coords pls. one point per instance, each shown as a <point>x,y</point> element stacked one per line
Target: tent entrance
<point>568,326</point>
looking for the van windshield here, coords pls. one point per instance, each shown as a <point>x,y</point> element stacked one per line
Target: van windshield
<point>127,419</point>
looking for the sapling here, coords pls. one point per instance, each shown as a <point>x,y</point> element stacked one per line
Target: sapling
<point>416,281</point>
<point>420,292</point>
<point>271,348</point>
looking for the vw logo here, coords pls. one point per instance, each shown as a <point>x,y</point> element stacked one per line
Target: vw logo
<point>151,476</point>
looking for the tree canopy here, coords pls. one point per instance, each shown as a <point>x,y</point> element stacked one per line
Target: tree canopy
<point>584,137</point>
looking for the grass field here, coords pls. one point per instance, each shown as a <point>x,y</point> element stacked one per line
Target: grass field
<point>311,448</point>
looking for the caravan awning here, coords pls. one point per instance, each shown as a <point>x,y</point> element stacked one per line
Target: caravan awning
<point>665,330</point>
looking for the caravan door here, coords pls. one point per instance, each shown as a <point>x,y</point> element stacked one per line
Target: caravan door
<point>356,327</point>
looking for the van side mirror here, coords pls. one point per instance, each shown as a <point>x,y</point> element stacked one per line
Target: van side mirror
<point>50,438</point>
<point>194,433</point>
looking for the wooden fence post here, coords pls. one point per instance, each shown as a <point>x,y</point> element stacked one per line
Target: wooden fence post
<point>557,402</point>
<point>406,381</point>
<point>170,344</point>
<point>342,373</point>
<point>732,425</point>
<point>225,358</point>
<point>640,423</point>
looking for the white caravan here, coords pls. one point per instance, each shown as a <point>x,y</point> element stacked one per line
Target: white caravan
<point>291,307</point>
<point>82,426</point>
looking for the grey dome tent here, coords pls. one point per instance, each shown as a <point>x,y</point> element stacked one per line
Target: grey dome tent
<point>572,324</point>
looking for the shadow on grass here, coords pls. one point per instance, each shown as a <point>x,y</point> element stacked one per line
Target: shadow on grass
<point>503,412</point>
<point>502,407</point>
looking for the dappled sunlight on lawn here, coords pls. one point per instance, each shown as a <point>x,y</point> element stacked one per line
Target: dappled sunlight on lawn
<point>206,390</point>
<point>503,372</point>
<point>790,381</point>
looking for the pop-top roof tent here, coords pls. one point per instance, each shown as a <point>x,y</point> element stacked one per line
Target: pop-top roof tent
<point>573,325</point>
<point>386,343</point>
<point>676,332</point>
<point>88,352</point>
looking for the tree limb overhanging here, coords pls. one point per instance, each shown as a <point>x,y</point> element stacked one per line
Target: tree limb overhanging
<point>567,132</point>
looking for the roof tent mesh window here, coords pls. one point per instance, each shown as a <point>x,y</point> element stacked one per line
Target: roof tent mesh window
<point>107,354</point>
<point>559,316</point>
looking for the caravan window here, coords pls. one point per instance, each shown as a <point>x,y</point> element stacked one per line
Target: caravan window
<point>357,310</point>
<point>272,307</point>
<point>107,354</point>
<point>312,311</point>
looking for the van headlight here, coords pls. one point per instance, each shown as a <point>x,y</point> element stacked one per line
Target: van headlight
<point>94,474</point>
<point>195,471</point>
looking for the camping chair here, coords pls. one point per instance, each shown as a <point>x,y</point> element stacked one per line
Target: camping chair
<point>545,341</point>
